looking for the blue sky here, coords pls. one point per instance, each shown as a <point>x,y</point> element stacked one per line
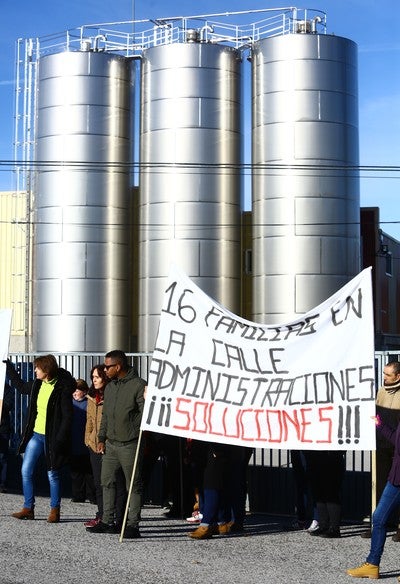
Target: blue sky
<point>372,24</point>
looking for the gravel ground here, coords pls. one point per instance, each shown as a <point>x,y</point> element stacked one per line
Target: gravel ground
<point>268,552</point>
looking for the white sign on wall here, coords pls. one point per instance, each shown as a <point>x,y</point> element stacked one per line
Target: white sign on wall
<point>308,384</point>
<point>5,329</point>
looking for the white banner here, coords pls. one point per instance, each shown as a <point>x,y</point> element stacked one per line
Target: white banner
<point>5,329</point>
<point>308,384</point>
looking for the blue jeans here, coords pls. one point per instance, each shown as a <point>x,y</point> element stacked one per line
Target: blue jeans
<point>34,449</point>
<point>214,508</point>
<point>390,499</point>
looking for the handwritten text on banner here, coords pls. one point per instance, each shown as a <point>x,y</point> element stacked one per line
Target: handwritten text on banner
<point>307,384</point>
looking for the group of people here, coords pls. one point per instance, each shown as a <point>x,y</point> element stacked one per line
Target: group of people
<point>387,421</point>
<point>319,475</point>
<point>112,426</point>
<point>113,408</point>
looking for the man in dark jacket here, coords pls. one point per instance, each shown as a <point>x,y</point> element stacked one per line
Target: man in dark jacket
<point>47,430</point>
<point>118,441</point>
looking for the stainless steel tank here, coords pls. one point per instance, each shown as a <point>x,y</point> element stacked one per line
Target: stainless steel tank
<point>305,190</point>
<point>190,179</point>
<point>81,203</point>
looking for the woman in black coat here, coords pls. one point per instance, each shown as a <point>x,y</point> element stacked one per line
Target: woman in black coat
<point>47,430</point>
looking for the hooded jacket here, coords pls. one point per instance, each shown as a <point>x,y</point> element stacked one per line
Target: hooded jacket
<point>58,415</point>
<point>122,409</point>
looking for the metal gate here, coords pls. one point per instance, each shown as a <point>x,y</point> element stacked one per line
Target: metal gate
<point>271,487</point>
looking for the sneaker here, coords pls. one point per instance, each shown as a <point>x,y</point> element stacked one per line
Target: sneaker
<point>195,517</point>
<point>314,526</point>
<point>131,532</point>
<point>92,522</point>
<point>366,570</point>
<point>102,528</point>
<point>202,532</point>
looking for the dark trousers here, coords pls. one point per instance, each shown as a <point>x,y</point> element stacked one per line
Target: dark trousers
<point>120,488</point>
<point>326,471</point>
<point>82,478</point>
<point>121,456</point>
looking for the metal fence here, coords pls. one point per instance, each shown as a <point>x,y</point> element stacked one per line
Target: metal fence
<point>270,482</point>
<point>79,365</point>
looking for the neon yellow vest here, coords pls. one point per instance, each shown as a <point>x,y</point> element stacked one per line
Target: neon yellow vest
<point>43,399</point>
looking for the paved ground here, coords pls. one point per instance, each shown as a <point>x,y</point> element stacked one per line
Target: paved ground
<point>268,552</point>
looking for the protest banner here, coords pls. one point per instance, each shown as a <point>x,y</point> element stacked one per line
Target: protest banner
<point>307,384</point>
<point>5,328</point>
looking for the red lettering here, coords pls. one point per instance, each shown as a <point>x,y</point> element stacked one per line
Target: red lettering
<point>286,418</point>
<point>329,422</point>
<point>200,417</point>
<point>210,421</point>
<point>304,424</point>
<point>226,410</point>
<point>179,401</point>
<point>254,425</point>
<point>249,425</point>
<point>258,425</point>
<point>268,414</point>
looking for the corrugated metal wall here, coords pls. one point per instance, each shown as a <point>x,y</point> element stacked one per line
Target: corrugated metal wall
<point>14,235</point>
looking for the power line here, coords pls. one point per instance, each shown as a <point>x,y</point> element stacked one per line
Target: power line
<point>100,164</point>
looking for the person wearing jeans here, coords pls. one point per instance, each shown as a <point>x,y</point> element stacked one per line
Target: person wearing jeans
<point>390,499</point>
<point>47,430</point>
<point>215,505</point>
<point>34,449</point>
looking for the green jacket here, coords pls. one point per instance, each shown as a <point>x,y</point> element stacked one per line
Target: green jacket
<point>123,408</point>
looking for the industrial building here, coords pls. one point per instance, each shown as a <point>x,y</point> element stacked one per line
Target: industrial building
<point>130,150</point>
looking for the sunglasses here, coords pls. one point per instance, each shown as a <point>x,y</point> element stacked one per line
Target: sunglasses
<point>107,367</point>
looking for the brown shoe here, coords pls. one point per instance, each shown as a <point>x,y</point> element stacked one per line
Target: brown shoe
<point>224,528</point>
<point>25,513</point>
<point>54,516</point>
<point>202,532</point>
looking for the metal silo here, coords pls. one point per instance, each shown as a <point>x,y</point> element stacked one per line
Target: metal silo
<point>81,203</point>
<point>190,185</point>
<point>306,197</point>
